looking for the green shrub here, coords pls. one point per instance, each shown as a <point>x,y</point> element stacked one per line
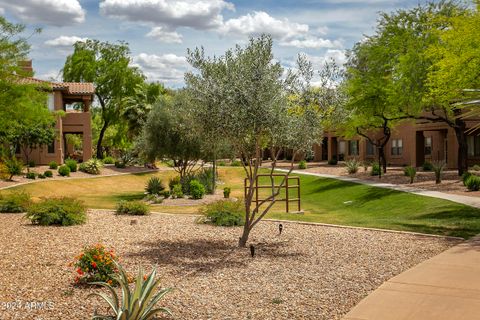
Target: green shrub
<point>465,177</point>
<point>165,194</point>
<point>205,177</point>
<point>154,186</point>
<point>95,263</point>
<point>376,169</point>
<point>410,172</point>
<point>153,198</point>
<point>31,164</point>
<point>332,162</point>
<point>120,164</point>
<point>226,192</point>
<point>473,183</point>
<point>224,213</point>
<point>14,202</point>
<point>177,191</point>
<point>185,182</point>
<point>236,163</point>
<point>64,171</point>
<point>41,176</point>
<point>438,167</point>
<point>197,190</point>
<point>53,165</point>
<point>476,167</point>
<point>352,166</point>
<point>221,163</point>
<point>91,166</point>
<point>173,181</point>
<point>57,211</point>
<point>427,166</point>
<point>108,160</point>
<point>31,175</point>
<point>13,166</point>
<point>48,174</point>
<point>135,208</point>
<point>72,164</point>
<point>302,165</point>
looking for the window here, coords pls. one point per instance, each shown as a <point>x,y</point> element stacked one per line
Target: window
<point>428,146</point>
<point>397,147</point>
<point>353,147</point>
<point>473,145</point>
<point>342,146</point>
<point>51,147</point>
<point>370,148</point>
<point>51,102</point>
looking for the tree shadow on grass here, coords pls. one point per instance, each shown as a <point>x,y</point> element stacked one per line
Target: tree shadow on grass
<point>324,185</point>
<point>374,193</point>
<point>201,255</point>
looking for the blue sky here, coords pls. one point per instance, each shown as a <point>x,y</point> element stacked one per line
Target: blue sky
<point>160,31</point>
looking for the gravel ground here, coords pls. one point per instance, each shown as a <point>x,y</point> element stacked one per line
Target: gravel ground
<point>309,272</point>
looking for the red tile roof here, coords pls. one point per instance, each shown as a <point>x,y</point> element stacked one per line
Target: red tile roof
<point>70,87</point>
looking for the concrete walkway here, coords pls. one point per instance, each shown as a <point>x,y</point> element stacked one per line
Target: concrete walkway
<point>470,201</point>
<point>445,287</point>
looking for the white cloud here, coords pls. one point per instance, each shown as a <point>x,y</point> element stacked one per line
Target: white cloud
<point>312,43</point>
<point>51,12</point>
<point>197,14</point>
<point>318,62</point>
<point>64,42</point>
<point>2,11</point>
<point>50,75</point>
<point>164,35</point>
<point>166,68</point>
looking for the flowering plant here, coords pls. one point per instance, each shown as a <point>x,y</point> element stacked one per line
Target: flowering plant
<point>95,263</point>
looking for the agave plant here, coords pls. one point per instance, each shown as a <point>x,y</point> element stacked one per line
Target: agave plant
<point>136,305</point>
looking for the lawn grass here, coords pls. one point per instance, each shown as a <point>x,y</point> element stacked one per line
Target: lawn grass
<point>323,200</point>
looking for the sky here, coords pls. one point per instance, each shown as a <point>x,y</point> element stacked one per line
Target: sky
<point>160,31</point>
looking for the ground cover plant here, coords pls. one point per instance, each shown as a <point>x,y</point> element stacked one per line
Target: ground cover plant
<point>225,213</point>
<point>92,166</point>
<point>72,164</point>
<point>64,171</point>
<point>14,202</point>
<point>95,263</point>
<point>62,211</point>
<point>135,208</point>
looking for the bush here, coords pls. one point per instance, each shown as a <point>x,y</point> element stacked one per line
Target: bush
<point>165,194</point>
<point>236,163</point>
<point>226,192</point>
<point>473,183</point>
<point>197,190</point>
<point>224,213</point>
<point>53,165</point>
<point>48,174</point>
<point>154,186</point>
<point>427,166</point>
<point>14,167</point>
<point>185,182</point>
<point>31,175</point>
<point>120,164</point>
<point>108,160</point>
<point>352,166</point>
<point>14,202</point>
<point>376,169</point>
<point>72,164</point>
<point>302,165</point>
<point>91,166</point>
<point>173,182</point>
<point>177,191</point>
<point>41,176</point>
<point>95,263</point>
<point>4,175</point>
<point>205,177</point>
<point>438,167</point>
<point>332,162</point>
<point>135,208</point>
<point>57,211</point>
<point>221,163</point>
<point>153,199</point>
<point>31,164</point>
<point>465,177</point>
<point>64,171</point>
<point>410,172</point>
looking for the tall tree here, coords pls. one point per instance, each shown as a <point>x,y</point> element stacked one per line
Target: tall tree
<point>109,67</point>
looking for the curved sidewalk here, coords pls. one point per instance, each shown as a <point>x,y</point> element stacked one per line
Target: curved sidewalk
<point>445,287</point>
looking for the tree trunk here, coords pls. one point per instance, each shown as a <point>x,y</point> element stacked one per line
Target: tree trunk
<point>100,140</point>
<point>242,241</point>
<point>462,146</point>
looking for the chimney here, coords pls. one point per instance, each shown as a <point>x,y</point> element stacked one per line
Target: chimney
<point>26,67</point>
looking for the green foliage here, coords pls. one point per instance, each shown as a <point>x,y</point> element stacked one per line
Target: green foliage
<point>41,176</point>
<point>177,191</point>
<point>333,162</point>
<point>136,208</point>
<point>31,164</point>
<point>165,194</point>
<point>465,177</point>
<point>72,164</point>
<point>173,181</point>
<point>221,163</point>
<point>108,160</point>
<point>302,164</point>
<point>226,192</point>
<point>13,166</point>
<point>57,211</point>
<point>438,167</point>
<point>154,186</point>
<point>137,304</point>
<point>197,190</point>
<point>224,213</point>
<point>410,172</point>
<point>31,175</point>
<point>427,166</point>
<point>92,166</point>
<point>473,183</point>
<point>205,177</point>
<point>95,263</point>
<point>53,165</point>
<point>154,198</point>
<point>48,174</point>
<point>476,167</point>
<point>64,171</point>
<point>236,163</point>
<point>352,166</point>
<point>120,164</point>
<point>376,169</point>
<point>14,202</point>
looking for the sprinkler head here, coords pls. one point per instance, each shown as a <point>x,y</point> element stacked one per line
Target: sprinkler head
<point>280,228</point>
<point>252,250</point>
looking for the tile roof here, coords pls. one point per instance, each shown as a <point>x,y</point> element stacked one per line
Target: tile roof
<point>70,87</point>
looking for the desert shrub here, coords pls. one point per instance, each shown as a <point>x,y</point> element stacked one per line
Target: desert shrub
<point>14,167</point>
<point>120,164</point>
<point>64,171</point>
<point>153,198</point>
<point>236,163</point>
<point>154,186</point>
<point>57,211</point>
<point>95,263</point>
<point>185,182</point>
<point>302,164</point>
<point>53,165</point>
<point>48,174</point>
<point>224,213</point>
<point>197,190</point>
<point>72,164</point>
<point>226,192</point>
<point>205,177</point>
<point>165,194</point>
<point>476,167</point>
<point>31,164</point>
<point>108,160</point>
<point>427,166</point>
<point>352,166</point>
<point>135,208</point>
<point>438,167</point>
<point>41,176</point>
<point>177,191</point>
<point>92,166</point>
<point>332,162</point>
<point>410,172</point>
<point>473,183</point>
<point>31,175</point>
<point>465,177</point>
<point>376,169</point>
<point>221,163</point>
<point>173,181</point>
<point>14,202</point>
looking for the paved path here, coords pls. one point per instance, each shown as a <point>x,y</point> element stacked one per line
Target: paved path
<point>445,287</point>
<point>470,201</point>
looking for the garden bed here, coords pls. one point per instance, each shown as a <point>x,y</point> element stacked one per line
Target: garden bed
<point>309,272</point>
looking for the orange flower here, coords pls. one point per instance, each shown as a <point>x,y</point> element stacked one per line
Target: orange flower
<point>77,279</point>
<point>144,277</point>
<point>94,265</point>
<point>109,281</point>
<point>79,271</point>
